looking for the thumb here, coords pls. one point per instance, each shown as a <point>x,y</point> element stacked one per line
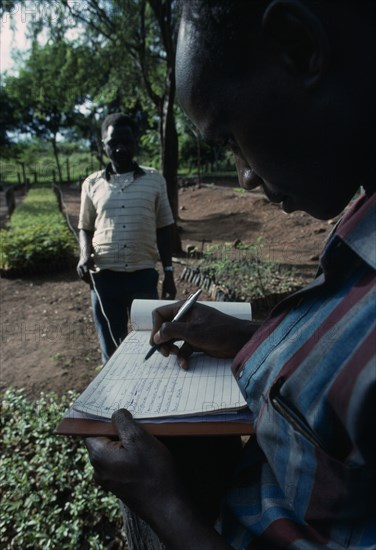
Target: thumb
<point>126,427</point>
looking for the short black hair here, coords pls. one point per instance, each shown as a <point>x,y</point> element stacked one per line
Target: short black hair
<point>118,120</point>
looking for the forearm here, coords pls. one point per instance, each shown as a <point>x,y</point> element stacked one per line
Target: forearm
<point>180,528</point>
<point>140,471</point>
<point>164,245</point>
<point>86,243</point>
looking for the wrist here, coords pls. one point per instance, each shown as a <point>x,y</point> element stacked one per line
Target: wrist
<point>179,527</point>
<point>168,269</point>
<point>245,331</point>
<point>84,259</point>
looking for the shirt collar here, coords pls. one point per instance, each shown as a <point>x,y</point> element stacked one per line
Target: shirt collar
<point>357,229</point>
<point>137,171</point>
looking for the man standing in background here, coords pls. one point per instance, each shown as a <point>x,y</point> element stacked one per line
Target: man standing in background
<point>125,221</point>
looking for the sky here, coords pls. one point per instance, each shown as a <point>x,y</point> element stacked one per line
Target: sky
<point>14,26</point>
<point>10,41</point>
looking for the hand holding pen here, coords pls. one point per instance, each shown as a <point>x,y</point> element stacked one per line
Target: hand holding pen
<point>191,300</point>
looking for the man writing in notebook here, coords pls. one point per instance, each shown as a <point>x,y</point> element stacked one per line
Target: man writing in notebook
<point>290,86</point>
<point>125,221</point>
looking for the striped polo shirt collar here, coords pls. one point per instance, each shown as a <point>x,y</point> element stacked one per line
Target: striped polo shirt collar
<point>358,229</point>
<point>137,171</point>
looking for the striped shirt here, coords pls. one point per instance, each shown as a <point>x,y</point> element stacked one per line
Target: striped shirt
<point>308,478</point>
<point>124,212</point>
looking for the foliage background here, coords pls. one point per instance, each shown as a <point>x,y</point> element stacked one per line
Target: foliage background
<point>37,235</point>
<point>49,499</point>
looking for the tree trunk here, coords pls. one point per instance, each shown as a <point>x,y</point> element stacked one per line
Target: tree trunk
<point>169,157</point>
<point>56,155</point>
<point>169,138</point>
<point>22,164</point>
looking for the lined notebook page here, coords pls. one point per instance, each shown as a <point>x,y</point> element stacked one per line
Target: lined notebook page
<point>158,387</point>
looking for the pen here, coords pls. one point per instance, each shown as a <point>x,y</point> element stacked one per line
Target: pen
<point>190,301</point>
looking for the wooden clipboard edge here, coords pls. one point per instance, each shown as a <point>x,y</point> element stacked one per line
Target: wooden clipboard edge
<point>87,427</point>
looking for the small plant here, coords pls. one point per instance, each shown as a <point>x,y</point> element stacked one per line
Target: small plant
<point>247,267</point>
<point>49,499</point>
<point>37,234</point>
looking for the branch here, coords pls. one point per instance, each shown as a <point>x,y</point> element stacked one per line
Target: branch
<point>89,22</point>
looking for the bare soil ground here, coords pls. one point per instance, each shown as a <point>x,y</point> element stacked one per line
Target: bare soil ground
<point>48,340</point>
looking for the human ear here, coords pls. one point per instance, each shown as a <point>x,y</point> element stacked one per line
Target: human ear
<point>300,37</point>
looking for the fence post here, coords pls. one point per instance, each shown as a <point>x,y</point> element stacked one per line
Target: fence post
<point>68,169</point>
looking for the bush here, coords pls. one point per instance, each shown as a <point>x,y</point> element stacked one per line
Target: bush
<point>37,234</point>
<point>49,499</point>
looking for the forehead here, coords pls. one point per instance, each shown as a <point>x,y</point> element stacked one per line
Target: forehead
<point>118,133</point>
<point>203,80</point>
<point>220,48</point>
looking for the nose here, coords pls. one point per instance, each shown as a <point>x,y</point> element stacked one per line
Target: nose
<point>248,179</point>
<point>121,147</point>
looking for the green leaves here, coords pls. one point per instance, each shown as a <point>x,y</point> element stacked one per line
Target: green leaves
<point>49,499</point>
<point>252,268</point>
<point>37,235</point>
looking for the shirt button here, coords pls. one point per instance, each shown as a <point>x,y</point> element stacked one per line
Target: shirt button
<point>124,226</point>
<point>123,206</point>
<point>125,246</point>
<point>240,374</point>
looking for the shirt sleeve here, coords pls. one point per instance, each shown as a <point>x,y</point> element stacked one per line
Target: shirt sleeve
<point>164,215</point>
<point>88,213</point>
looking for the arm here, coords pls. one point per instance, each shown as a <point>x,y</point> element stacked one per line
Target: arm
<point>203,329</point>
<point>164,249</point>
<point>85,262</point>
<point>140,471</point>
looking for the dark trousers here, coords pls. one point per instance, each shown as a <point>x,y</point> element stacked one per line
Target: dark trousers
<point>111,298</point>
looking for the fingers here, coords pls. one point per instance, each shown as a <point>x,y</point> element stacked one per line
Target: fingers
<point>96,444</point>
<point>162,315</point>
<point>185,351</point>
<point>168,290</point>
<point>98,450</point>
<point>83,273</point>
<point>171,331</point>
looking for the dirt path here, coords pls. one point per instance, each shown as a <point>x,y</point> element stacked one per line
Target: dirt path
<point>47,333</point>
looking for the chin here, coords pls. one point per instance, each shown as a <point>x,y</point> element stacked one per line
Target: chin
<point>326,209</point>
<point>325,212</point>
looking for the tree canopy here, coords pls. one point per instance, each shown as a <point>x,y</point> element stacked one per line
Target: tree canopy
<point>101,56</point>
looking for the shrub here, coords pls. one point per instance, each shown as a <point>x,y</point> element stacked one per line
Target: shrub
<point>49,499</point>
<point>37,234</point>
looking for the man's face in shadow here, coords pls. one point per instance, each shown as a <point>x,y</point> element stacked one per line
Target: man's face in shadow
<point>249,95</point>
<point>120,147</point>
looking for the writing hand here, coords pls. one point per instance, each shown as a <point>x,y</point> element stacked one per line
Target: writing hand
<point>202,329</point>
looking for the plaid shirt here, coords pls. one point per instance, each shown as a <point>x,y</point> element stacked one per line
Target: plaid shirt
<point>308,478</point>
